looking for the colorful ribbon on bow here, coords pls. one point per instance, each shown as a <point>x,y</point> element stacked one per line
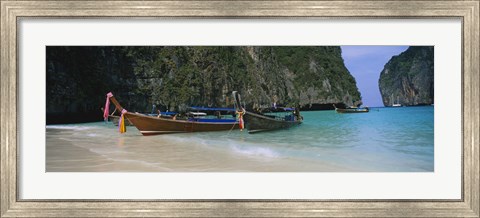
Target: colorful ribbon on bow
<point>121,122</point>
<point>240,120</point>
<point>106,110</point>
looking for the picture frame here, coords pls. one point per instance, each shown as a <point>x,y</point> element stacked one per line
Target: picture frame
<point>12,11</point>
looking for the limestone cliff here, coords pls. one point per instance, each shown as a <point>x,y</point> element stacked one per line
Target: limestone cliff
<point>178,76</point>
<point>407,79</point>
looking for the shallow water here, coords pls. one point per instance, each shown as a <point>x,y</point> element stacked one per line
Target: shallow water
<point>383,140</point>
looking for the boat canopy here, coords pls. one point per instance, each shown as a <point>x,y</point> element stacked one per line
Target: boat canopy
<point>197,113</point>
<point>211,109</point>
<point>288,109</point>
<point>163,113</point>
<point>278,109</point>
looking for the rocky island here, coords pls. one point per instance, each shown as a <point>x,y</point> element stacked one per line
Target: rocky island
<point>407,79</point>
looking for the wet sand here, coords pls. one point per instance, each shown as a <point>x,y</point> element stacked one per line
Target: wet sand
<point>64,156</point>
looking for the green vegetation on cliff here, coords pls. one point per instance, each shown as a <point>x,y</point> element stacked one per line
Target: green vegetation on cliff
<point>407,79</point>
<point>178,76</point>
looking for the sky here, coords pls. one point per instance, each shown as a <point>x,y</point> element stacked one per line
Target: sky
<point>366,63</point>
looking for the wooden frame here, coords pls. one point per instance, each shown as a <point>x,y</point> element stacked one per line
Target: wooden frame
<point>468,11</point>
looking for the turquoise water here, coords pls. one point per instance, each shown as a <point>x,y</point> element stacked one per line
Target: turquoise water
<point>383,140</point>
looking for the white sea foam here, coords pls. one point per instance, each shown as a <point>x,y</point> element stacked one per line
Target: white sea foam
<point>255,151</point>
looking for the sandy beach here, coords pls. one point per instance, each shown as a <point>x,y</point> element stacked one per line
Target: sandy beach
<point>100,148</point>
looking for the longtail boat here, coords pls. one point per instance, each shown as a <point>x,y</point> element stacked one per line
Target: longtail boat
<point>351,110</point>
<point>152,125</point>
<point>273,119</point>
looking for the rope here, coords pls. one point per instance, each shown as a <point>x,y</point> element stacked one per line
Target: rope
<point>231,129</point>
<point>114,111</point>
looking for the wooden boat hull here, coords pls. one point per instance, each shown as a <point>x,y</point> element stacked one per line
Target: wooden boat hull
<point>148,125</point>
<point>351,110</point>
<point>259,123</point>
